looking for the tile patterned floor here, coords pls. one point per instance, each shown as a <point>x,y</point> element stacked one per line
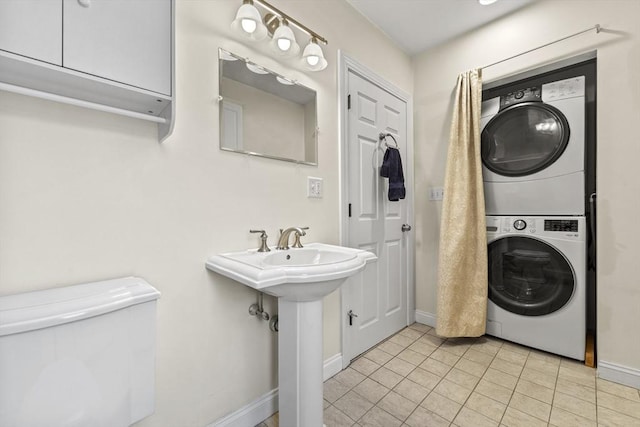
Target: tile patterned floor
<point>416,379</point>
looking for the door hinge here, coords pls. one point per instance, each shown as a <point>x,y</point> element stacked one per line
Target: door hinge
<point>349,210</point>
<point>349,102</point>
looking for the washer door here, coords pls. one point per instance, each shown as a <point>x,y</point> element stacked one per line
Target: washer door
<point>528,276</point>
<point>524,139</point>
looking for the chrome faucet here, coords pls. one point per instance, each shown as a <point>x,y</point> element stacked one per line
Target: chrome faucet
<point>283,241</point>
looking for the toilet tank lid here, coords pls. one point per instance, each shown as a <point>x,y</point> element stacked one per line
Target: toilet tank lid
<point>51,307</point>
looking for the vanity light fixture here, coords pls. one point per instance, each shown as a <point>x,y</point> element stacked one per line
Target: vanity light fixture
<point>249,22</point>
<point>284,41</point>
<point>277,23</point>
<point>313,57</point>
<point>486,2</point>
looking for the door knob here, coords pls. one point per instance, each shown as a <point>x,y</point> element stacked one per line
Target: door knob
<point>406,227</point>
<point>351,315</point>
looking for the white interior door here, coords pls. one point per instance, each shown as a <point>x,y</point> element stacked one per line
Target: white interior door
<point>378,296</point>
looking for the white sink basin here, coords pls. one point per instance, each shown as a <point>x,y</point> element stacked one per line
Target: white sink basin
<point>307,257</point>
<point>304,274</point>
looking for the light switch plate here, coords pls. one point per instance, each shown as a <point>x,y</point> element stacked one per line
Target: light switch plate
<point>314,187</point>
<point>436,193</point>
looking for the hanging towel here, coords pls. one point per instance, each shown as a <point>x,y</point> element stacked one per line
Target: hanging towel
<point>392,169</point>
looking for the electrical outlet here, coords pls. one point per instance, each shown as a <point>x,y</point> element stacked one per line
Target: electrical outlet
<point>314,187</point>
<point>436,193</point>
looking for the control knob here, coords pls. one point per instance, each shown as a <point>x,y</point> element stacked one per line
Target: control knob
<point>519,224</point>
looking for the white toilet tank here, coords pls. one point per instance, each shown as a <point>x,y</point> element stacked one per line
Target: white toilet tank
<point>80,355</point>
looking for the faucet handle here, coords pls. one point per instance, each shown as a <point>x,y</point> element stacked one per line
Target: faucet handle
<point>263,240</point>
<point>296,241</point>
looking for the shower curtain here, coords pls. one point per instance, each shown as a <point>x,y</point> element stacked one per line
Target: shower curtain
<point>462,270</point>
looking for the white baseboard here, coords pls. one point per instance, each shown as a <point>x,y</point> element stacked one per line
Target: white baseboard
<point>619,374</point>
<point>425,318</point>
<point>252,414</point>
<point>266,405</point>
<point>332,366</point>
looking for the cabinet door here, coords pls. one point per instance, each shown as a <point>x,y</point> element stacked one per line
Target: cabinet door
<point>128,41</point>
<point>32,28</point>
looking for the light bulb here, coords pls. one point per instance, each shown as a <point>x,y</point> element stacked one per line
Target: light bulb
<point>313,56</point>
<point>249,25</point>
<point>284,44</point>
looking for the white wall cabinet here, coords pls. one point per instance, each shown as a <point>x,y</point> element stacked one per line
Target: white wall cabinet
<point>32,28</point>
<point>123,40</point>
<point>110,55</point>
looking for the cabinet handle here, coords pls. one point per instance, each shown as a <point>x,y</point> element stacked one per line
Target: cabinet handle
<point>84,3</point>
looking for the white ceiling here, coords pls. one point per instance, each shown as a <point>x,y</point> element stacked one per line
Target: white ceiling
<point>417,25</point>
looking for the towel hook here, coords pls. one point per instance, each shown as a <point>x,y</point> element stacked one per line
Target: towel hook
<point>383,136</point>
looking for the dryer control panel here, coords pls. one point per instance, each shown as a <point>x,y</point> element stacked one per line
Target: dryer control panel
<point>530,94</point>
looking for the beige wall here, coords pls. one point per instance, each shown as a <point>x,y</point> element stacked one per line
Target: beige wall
<point>618,50</point>
<point>86,196</point>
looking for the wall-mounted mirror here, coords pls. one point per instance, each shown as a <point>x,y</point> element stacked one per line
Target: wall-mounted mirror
<point>265,114</point>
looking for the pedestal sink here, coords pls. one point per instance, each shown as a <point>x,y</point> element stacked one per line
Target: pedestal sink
<point>299,278</point>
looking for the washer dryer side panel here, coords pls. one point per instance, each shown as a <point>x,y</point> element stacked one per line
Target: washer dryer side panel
<point>563,195</point>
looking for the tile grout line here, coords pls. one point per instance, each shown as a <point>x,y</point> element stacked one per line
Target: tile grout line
<point>555,390</point>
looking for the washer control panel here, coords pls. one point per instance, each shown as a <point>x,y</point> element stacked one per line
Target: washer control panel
<point>559,227</point>
<point>566,225</point>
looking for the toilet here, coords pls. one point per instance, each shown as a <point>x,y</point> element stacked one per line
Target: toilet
<point>80,355</point>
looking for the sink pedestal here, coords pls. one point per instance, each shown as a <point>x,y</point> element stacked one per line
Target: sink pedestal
<point>300,363</point>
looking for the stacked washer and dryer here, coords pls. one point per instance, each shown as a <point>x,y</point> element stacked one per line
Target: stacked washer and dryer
<point>533,154</point>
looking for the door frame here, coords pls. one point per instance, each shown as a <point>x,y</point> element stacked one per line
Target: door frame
<point>348,64</point>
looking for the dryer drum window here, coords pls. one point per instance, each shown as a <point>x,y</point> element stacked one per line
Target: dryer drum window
<point>524,139</point>
<point>528,276</point>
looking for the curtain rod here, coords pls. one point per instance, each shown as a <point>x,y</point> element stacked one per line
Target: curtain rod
<point>596,27</point>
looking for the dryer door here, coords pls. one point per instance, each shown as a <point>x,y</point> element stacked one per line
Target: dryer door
<point>524,139</point>
<point>528,276</point>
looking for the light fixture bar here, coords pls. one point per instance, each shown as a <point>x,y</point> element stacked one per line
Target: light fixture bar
<point>292,21</point>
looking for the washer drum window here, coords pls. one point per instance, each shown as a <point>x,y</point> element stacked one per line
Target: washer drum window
<point>528,277</point>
